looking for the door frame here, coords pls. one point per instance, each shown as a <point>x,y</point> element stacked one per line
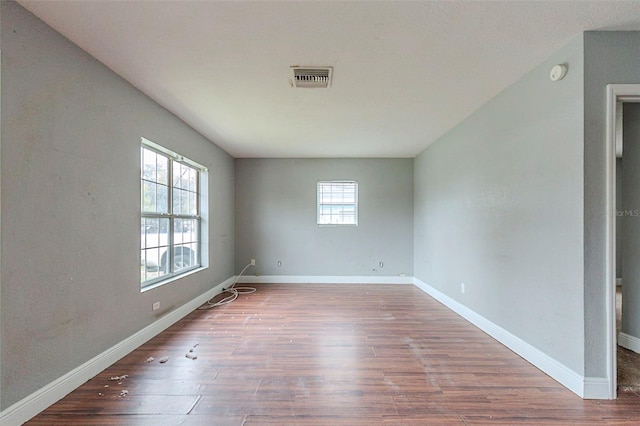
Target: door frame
<point>616,95</point>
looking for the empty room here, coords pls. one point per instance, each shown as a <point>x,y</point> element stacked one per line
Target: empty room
<point>318,212</point>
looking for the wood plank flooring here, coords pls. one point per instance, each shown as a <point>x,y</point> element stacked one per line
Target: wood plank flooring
<point>329,354</point>
<point>628,362</point>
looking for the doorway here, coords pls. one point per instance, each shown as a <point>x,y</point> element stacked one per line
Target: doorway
<point>617,96</point>
<point>628,247</point>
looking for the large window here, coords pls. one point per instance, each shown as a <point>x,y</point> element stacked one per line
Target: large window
<point>170,219</point>
<point>338,202</point>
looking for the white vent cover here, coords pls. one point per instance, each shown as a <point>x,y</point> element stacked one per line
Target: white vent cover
<point>312,77</point>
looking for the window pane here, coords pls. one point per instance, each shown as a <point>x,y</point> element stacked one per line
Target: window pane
<point>193,180</point>
<point>188,229</point>
<point>151,233</point>
<point>184,191</point>
<point>192,203</point>
<point>149,196</point>
<point>162,170</point>
<point>184,177</point>
<point>194,252</point>
<point>162,199</point>
<point>154,182</point>
<point>184,206</point>
<point>195,231</point>
<point>178,231</point>
<point>178,201</point>
<point>148,165</point>
<point>179,171</point>
<point>184,256</point>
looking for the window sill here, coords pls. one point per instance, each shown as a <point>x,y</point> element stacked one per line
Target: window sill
<point>172,279</point>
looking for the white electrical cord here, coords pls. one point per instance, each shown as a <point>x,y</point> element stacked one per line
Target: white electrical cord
<point>233,293</point>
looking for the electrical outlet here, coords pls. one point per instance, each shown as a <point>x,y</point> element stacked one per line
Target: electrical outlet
<point>462,287</point>
<point>156,306</point>
<point>253,262</point>
<point>279,263</point>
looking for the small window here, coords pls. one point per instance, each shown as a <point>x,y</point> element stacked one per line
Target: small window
<point>338,202</point>
<point>170,214</point>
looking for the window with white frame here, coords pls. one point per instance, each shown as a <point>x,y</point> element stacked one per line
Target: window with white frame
<point>170,214</point>
<point>337,202</point>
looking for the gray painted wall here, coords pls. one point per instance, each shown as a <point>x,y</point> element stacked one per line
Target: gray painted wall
<point>276,217</point>
<point>498,206</point>
<point>630,254</point>
<point>70,206</point>
<point>609,57</point>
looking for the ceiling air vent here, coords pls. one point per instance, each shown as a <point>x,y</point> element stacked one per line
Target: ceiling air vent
<point>312,77</point>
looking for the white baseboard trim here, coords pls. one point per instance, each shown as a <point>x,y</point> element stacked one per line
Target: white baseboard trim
<point>597,388</point>
<point>38,401</point>
<point>302,279</point>
<point>630,342</point>
<point>559,372</point>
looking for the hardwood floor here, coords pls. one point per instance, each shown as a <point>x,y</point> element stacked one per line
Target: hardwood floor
<point>628,362</point>
<point>328,354</point>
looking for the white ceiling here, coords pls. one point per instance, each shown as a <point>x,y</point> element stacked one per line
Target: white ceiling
<point>404,72</point>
